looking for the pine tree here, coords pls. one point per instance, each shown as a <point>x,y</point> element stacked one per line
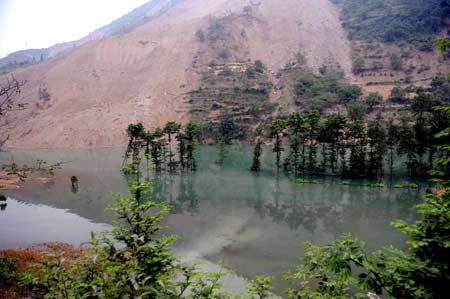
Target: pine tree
<point>257,152</point>
<point>276,130</point>
<point>191,132</point>
<point>392,139</point>
<point>296,133</point>
<point>335,127</point>
<point>377,148</point>
<point>408,146</point>
<point>357,142</point>
<point>171,129</point>
<point>312,131</point>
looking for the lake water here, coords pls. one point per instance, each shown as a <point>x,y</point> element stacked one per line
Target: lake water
<point>254,223</point>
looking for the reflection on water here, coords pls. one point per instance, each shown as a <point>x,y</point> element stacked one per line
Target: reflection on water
<point>255,223</point>
<point>24,224</point>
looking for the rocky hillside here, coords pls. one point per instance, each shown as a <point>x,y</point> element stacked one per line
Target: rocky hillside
<point>164,61</point>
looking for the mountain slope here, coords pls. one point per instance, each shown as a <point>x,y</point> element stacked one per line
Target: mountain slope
<point>124,24</point>
<point>89,96</point>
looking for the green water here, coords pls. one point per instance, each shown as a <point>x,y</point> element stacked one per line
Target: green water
<point>254,223</point>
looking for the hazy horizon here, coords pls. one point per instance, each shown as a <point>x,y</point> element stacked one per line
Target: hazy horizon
<point>40,24</point>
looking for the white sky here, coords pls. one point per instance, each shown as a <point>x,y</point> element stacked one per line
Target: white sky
<point>26,24</point>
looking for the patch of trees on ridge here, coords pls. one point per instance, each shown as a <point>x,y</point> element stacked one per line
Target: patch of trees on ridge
<point>412,21</point>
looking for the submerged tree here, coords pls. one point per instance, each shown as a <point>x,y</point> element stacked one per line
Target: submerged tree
<point>171,129</point>
<point>192,131</point>
<point>157,147</point>
<point>408,146</point>
<point>357,143</point>
<point>392,139</point>
<point>136,133</point>
<point>334,127</point>
<point>377,148</point>
<point>312,130</point>
<point>295,126</point>
<point>276,130</point>
<point>257,151</point>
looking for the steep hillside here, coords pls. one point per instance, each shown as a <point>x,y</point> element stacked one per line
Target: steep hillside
<point>88,97</point>
<point>137,17</point>
<point>393,41</point>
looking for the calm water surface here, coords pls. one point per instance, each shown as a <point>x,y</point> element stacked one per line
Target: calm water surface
<point>254,223</point>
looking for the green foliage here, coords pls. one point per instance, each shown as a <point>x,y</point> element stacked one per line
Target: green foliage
<point>398,95</point>
<point>261,287</point>
<point>348,93</point>
<point>359,65</point>
<point>216,29</point>
<point>295,161</point>
<point>131,261</point>
<point>407,146</point>
<point>247,10</point>
<point>256,164</point>
<point>348,146</point>
<point>275,131</point>
<point>442,174</point>
<point>413,185</point>
<point>356,110</point>
<point>236,101</point>
<point>200,35</point>
<point>396,62</point>
<point>259,66</point>
<point>378,148</point>
<point>224,53</point>
<point>373,99</point>
<point>344,268</point>
<point>156,146</point>
<point>357,136</point>
<point>312,123</point>
<point>24,171</point>
<point>414,21</point>
<point>319,92</point>
<point>304,181</point>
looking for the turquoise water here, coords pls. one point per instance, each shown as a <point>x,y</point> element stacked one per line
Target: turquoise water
<point>254,223</point>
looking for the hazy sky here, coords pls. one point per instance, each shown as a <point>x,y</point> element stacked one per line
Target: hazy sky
<point>28,24</point>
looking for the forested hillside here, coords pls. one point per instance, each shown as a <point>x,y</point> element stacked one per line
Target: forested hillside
<point>414,21</point>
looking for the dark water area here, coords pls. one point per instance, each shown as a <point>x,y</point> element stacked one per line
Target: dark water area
<point>253,223</point>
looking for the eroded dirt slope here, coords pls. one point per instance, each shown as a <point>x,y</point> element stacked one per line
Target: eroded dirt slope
<point>88,97</point>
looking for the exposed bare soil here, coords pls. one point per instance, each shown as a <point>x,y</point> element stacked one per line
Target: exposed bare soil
<point>99,88</point>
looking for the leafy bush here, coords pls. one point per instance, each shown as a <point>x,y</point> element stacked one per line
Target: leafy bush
<point>216,29</point>
<point>200,34</point>
<point>248,10</point>
<point>398,95</point>
<point>373,99</point>
<point>359,65</point>
<point>344,266</point>
<point>396,62</point>
<point>320,92</point>
<point>225,53</point>
<point>348,93</point>
<point>131,261</point>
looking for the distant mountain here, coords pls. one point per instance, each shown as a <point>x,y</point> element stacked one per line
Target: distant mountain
<point>120,26</point>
